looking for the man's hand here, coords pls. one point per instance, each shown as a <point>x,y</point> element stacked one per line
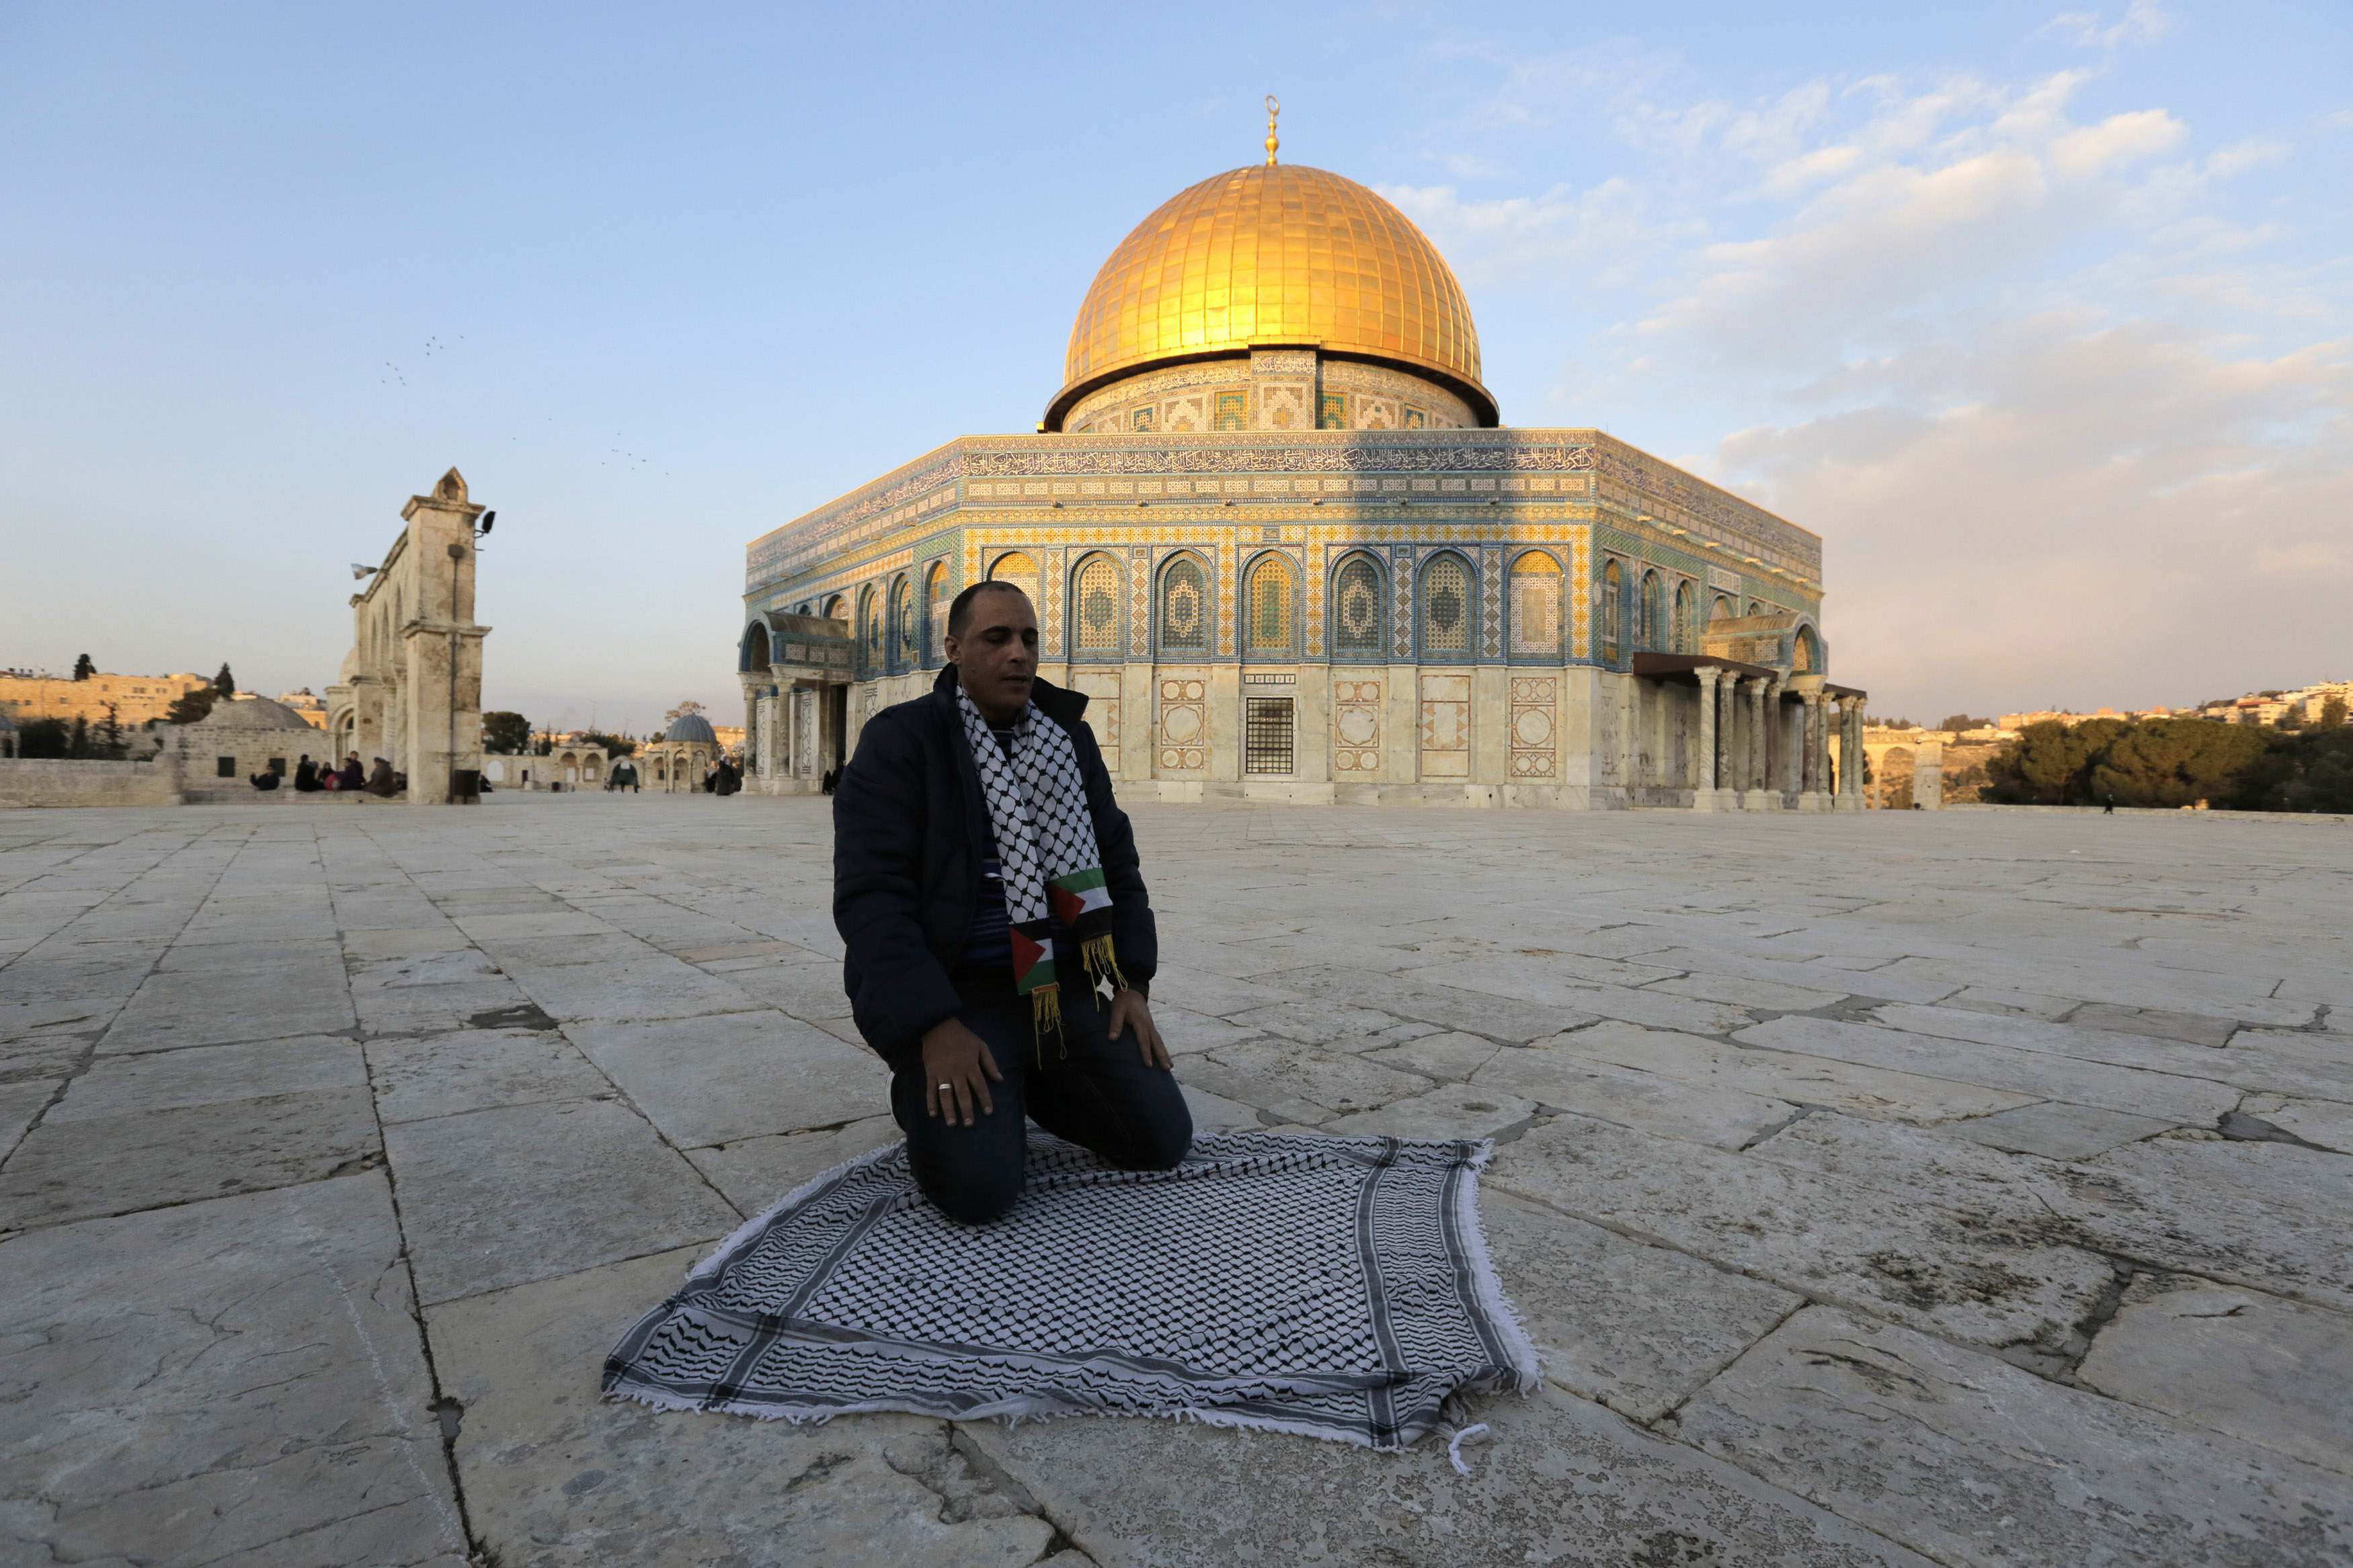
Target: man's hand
<point>957,1069</point>
<point>1128,1011</point>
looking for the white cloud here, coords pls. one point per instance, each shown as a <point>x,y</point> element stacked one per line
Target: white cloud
<point>1888,231</point>
<point>2072,427</point>
<point>2120,139</point>
<point>2142,23</point>
<point>2059,509</point>
<point>1487,238</point>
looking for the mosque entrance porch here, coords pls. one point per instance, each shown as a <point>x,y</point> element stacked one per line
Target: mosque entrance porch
<point>796,672</point>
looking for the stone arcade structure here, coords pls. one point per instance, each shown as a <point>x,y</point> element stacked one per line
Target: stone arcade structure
<point>411,690</point>
<point>675,764</point>
<point>1275,534</point>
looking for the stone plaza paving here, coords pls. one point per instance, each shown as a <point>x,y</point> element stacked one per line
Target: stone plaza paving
<point>1959,1188</point>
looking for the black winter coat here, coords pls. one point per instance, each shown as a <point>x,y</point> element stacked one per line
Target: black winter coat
<point>910,831</point>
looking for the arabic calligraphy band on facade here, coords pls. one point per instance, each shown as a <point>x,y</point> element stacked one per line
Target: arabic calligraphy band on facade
<point>1274,531</point>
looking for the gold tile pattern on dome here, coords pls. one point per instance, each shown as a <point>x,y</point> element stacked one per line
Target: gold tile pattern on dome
<point>1280,254</point>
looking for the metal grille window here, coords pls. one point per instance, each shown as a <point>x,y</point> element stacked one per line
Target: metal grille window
<point>1185,609</point>
<point>1613,611</point>
<point>935,609</point>
<point>1536,604</point>
<point>1019,570</point>
<point>1097,599</point>
<point>1357,608</point>
<point>903,610</point>
<point>1266,736</point>
<point>1270,607</point>
<point>1446,607</point>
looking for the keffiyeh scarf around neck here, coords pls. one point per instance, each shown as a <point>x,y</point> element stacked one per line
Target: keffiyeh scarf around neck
<point>1046,846</point>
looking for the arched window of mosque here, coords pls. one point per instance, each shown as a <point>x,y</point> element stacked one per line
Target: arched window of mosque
<point>755,647</point>
<point>1648,630</point>
<point>1357,599</point>
<point>1721,610</point>
<point>936,608</point>
<point>869,628</point>
<point>1613,612</point>
<point>1804,656</point>
<point>1095,598</point>
<point>838,609</point>
<point>1536,604</point>
<point>1269,619</point>
<point>1686,630</point>
<point>1446,607</point>
<point>1184,607</point>
<point>1019,570</point>
<point>902,617</point>
<point>1755,608</point>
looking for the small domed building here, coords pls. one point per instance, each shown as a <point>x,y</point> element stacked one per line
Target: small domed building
<point>220,753</point>
<point>676,763</point>
<point>1277,533</point>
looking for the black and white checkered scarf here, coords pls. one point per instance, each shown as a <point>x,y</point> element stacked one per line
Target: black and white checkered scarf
<point>1047,848</point>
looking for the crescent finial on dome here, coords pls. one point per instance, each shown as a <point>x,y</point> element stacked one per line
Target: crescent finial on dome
<point>1273,108</point>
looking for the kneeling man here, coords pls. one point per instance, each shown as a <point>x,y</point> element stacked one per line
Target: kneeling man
<point>985,884</point>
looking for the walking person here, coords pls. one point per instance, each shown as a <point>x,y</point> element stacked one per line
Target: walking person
<point>988,890</point>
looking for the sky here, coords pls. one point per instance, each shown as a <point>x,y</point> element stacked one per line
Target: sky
<point>2042,318</point>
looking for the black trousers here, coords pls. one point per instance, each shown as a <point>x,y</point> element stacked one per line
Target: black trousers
<point>1101,1096</point>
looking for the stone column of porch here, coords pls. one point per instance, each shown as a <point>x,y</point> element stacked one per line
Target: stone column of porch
<point>1728,739</point>
<point>1752,760</point>
<point>1778,782</point>
<point>1703,761</point>
<point>1850,780</point>
<point>1811,750</point>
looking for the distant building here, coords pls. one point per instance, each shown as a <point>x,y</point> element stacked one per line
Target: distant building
<point>310,709</point>
<point>134,699</point>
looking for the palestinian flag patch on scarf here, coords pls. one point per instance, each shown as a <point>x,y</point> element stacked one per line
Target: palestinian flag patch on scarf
<point>1046,846</point>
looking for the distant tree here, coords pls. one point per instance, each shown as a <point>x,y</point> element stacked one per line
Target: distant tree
<point>2051,763</point>
<point>1963,722</point>
<point>2308,772</point>
<point>79,745</point>
<point>44,738</point>
<point>1894,725</point>
<point>2332,713</point>
<point>111,733</point>
<point>225,683</point>
<point>2292,719</point>
<point>505,734</point>
<point>615,745</point>
<point>2179,762</point>
<point>191,705</point>
<point>83,668</point>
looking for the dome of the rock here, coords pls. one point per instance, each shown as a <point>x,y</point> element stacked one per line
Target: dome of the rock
<point>1275,254</point>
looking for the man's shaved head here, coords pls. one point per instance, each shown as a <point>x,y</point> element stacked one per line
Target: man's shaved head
<point>960,608</point>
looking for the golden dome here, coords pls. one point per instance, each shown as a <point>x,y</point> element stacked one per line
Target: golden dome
<point>1275,254</point>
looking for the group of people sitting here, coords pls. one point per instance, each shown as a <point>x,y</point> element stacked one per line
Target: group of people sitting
<point>310,778</point>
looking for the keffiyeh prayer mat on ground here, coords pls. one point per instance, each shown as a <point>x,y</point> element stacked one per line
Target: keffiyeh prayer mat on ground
<point>1337,1287</point>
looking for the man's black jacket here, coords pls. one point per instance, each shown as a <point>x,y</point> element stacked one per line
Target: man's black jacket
<point>910,829</point>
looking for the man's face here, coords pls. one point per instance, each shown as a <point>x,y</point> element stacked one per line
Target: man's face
<point>997,656</point>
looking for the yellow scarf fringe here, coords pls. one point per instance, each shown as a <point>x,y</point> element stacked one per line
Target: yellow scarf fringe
<point>1102,963</point>
<point>1045,1017</point>
<point>1046,1002</point>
